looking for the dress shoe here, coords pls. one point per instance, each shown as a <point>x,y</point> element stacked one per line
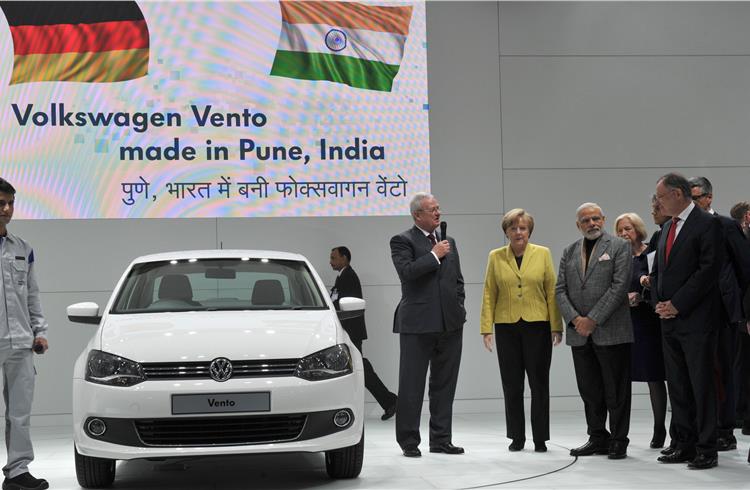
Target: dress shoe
<point>412,452</point>
<point>25,481</point>
<point>657,440</point>
<point>590,448</point>
<point>677,456</point>
<point>540,447</point>
<point>617,450</point>
<point>390,411</point>
<point>669,449</point>
<point>726,443</point>
<point>516,445</point>
<point>703,462</point>
<point>446,448</point>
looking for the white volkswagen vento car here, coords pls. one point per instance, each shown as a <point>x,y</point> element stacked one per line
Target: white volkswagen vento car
<point>217,352</point>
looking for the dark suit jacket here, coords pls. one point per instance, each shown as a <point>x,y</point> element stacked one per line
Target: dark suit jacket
<point>347,285</point>
<point>690,278</point>
<point>735,271</point>
<point>432,293</point>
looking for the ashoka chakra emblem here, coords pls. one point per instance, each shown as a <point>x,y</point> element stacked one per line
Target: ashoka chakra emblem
<point>336,40</point>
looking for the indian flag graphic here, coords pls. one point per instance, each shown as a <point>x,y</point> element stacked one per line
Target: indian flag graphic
<point>344,42</point>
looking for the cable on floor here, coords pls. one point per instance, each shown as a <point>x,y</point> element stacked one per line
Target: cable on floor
<point>497,484</point>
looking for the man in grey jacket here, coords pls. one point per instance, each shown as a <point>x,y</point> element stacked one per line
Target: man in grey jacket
<point>22,328</point>
<point>592,293</point>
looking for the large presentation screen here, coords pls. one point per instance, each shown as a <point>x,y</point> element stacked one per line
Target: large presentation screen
<point>213,109</point>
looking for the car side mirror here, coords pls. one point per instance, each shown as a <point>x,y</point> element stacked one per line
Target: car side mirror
<point>351,308</point>
<point>86,312</point>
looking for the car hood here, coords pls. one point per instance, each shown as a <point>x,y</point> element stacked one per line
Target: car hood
<point>206,335</point>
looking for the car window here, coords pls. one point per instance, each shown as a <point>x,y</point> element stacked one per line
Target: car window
<point>218,284</point>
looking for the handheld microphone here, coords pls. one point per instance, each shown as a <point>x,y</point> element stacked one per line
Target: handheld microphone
<point>443,227</point>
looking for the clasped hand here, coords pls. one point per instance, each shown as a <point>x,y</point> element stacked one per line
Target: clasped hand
<point>584,325</point>
<point>666,310</point>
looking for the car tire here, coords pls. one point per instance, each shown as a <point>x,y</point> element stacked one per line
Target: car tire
<point>346,462</point>
<point>94,472</point>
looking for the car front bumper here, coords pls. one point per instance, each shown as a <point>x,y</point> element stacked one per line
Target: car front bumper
<point>134,415</point>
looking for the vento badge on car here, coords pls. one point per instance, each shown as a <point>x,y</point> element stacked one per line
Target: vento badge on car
<point>220,369</point>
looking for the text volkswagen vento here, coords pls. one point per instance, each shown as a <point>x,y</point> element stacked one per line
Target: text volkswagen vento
<point>212,353</point>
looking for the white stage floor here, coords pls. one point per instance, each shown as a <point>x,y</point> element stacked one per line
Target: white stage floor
<point>486,464</point>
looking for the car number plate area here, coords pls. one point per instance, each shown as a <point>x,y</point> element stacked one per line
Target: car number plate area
<point>221,403</point>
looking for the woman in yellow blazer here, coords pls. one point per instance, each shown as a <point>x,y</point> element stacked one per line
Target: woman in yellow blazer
<point>519,302</point>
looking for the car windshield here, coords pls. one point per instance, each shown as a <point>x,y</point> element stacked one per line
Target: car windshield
<point>218,284</point>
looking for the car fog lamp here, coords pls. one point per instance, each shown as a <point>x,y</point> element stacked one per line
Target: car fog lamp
<point>342,418</point>
<point>96,427</point>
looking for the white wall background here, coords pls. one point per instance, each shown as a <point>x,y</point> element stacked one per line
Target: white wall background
<point>534,105</point>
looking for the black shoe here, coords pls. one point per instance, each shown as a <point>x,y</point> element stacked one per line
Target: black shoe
<point>703,462</point>
<point>677,456</point>
<point>617,450</point>
<point>669,449</point>
<point>657,440</point>
<point>446,448</point>
<point>590,448</point>
<point>390,411</point>
<point>540,447</point>
<point>516,445</point>
<point>726,443</point>
<point>412,452</point>
<point>25,481</point>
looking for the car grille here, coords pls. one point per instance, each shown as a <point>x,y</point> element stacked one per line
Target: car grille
<point>219,431</point>
<point>240,369</point>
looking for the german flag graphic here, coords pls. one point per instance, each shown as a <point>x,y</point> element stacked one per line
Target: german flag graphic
<point>77,41</point>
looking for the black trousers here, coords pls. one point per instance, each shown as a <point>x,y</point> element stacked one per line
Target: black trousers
<point>742,376</point>
<point>726,347</point>
<point>689,365</point>
<point>525,348</point>
<point>603,377</point>
<point>374,385</point>
<point>441,353</point>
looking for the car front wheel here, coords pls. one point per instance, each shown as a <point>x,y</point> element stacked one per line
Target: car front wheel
<point>94,472</point>
<point>346,462</point>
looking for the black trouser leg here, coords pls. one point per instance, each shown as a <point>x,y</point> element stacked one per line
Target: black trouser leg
<point>689,362</point>
<point>510,358</point>
<point>412,372</point>
<point>537,357</point>
<point>373,383</point>
<point>726,346</point>
<point>615,367</point>
<point>444,364</point>
<point>591,389</point>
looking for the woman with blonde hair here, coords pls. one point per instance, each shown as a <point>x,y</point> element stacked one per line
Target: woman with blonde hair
<point>519,303</point>
<point>647,359</point>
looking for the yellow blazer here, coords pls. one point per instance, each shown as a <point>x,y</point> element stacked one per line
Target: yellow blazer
<point>511,294</point>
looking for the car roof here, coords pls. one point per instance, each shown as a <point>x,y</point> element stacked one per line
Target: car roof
<point>219,254</point>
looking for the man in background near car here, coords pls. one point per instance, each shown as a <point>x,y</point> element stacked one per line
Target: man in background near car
<point>347,285</point>
<point>22,328</point>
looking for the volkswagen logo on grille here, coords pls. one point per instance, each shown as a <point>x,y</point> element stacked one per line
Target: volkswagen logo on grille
<point>220,369</point>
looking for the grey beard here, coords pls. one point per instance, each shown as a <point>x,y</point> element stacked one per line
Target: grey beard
<point>593,234</point>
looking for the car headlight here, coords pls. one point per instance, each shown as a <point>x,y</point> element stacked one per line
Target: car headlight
<point>325,364</point>
<point>108,369</point>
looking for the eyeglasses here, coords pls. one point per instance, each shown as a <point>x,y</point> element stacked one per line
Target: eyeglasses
<point>699,196</point>
<point>434,210</point>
